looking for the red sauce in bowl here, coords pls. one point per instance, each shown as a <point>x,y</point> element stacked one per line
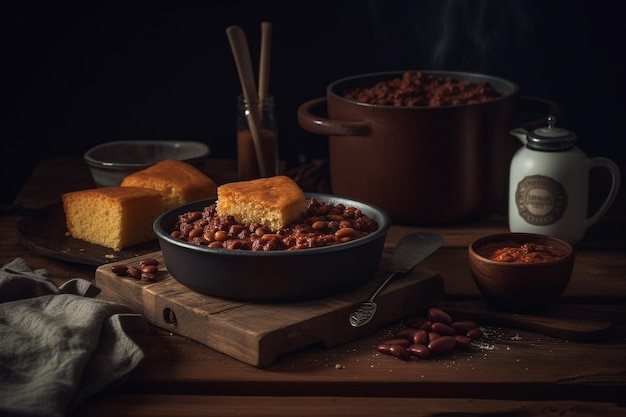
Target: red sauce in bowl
<point>525,253</point>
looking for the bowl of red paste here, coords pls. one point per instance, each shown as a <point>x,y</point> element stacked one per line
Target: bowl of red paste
<point>521,272</point>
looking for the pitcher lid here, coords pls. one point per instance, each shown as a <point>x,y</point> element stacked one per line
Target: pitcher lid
<point>551,138</point>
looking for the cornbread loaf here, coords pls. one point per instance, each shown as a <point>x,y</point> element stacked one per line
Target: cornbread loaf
<point>178,181</point>
<point>273,202</point>
<point>113,217</point>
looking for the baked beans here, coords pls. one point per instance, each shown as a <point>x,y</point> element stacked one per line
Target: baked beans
<point>322,225</point>
<point>416,89</point>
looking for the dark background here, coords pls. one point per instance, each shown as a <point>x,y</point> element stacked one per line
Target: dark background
<point>77,74</point>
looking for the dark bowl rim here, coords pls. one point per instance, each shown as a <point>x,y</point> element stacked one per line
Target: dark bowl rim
<point>383,228</point>
<point>330,89</point>
<point>205,150</point>
<point>504,236</point>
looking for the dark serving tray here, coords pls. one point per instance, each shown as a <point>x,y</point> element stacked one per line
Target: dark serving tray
<point>44,231</point>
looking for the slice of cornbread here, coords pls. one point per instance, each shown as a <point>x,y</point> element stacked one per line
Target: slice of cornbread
<point>114,217</point>
<point>274,202</point>
<point>178,181</point>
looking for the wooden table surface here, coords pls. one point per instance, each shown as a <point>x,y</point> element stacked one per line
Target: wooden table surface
<point>512,372</point>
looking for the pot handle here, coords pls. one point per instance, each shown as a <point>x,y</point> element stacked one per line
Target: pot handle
<point>328,127</point>
<point>537,105</point>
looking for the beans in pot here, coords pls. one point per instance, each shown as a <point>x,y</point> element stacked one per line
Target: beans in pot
<point>322,225</point>
<point>417,89</point>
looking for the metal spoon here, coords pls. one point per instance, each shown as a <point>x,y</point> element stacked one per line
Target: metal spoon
<point>411,250</point>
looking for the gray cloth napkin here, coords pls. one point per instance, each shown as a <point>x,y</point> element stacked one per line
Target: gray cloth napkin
<point>59,346</point>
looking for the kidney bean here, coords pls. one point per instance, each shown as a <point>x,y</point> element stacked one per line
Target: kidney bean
<point>148,261</point>
<point>443,345</point>
<point>220,236</point>
<point>345,232</point>
<point>318,225</point>
<point>419,350</point>
<point>433,336</point>
<point>406,333</point>
<point>463,342</point>
<point>134,272</point>
<point>398,341</point>
<point>399,352</point>
<point>119,270</point>
<point>435,314</point>
<point>442,329</point>
<point>464,326</point>
<point>335,217</point>
<point>475,334</point>
<point>383,348</point>
<point>420,337</point>
<point>149,269</point>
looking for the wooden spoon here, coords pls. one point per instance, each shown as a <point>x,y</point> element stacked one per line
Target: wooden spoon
<point>241,52</point>
<point>264,64</point>
<point>559,320</point>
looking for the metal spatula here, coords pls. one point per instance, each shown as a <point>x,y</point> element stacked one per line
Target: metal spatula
<point>411,250</point>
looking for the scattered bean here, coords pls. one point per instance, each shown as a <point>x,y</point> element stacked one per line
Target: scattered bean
<point>134,272</point>
<point>399,342</point>
<point>442,329</point>
<point>384,348</point>
<point>433,336</point>
<point>399,352</point>
<point>443,345</point>
<point>407,333</point>
<point>435,314</point>
<point>419,350</point>
<point>119,270</point>
<point>420,337</point>
<point>147,270</point>
<point>462,327</point>
<point>436,334</point>
<point>148,261</point>
<point>475,334</point>
<point>463,342</point>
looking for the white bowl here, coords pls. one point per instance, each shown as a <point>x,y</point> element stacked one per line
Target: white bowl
<point>110,162</point>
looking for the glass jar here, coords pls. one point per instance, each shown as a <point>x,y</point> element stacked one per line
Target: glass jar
<point>247,160</point>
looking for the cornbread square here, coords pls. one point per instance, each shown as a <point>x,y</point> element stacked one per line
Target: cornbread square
<point>273,202</point>
<point>113,217</point>
<point>178,181</point>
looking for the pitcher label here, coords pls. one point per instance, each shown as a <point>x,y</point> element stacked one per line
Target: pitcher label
<point>540,200</point>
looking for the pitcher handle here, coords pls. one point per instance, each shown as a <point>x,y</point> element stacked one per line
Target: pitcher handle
<point>615,184</point>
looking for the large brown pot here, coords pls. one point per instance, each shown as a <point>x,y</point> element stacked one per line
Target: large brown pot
<point>423,165</point>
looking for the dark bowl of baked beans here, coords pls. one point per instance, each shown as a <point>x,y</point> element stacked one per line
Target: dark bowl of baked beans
<point>521,272</point>
<point>299,262</point>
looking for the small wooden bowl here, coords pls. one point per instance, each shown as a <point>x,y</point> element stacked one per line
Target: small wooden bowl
<point>520,287</point>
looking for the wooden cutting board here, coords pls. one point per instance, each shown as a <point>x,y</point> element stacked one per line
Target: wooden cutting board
<point>257,333</point>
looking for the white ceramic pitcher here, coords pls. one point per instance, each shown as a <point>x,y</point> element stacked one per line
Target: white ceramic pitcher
<point>549,184</point>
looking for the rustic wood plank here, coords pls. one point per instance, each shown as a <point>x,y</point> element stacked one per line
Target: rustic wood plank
<point>272,406</point>
<point>507,364</point>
